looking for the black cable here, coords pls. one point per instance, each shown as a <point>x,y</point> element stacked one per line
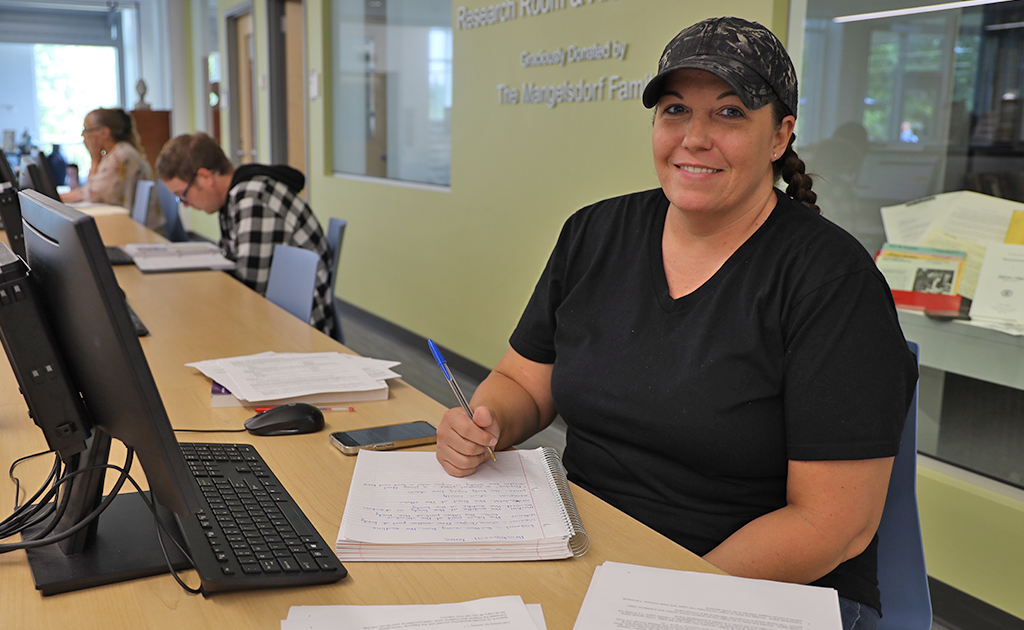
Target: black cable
<point>25,513</point>
<point>210,430</point>
<point>17,482</point>
<point>88,519</point>
<point>150,503</point>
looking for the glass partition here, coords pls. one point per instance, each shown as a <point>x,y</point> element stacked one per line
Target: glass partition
<point>392,89</point>
<point>899,106</point>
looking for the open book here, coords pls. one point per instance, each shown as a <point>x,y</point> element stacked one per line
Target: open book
<point>151,257</point>
<point>403,507</point>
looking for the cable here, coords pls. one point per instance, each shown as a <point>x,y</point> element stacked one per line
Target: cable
<point>17,482</point>
<point>210,430</point>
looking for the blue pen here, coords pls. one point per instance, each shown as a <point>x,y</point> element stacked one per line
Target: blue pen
<point>441,363</point>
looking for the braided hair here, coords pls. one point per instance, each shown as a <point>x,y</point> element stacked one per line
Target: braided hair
<point>790,168</point>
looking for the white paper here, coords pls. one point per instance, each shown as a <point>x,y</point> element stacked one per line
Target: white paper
<point>940,239</point>
<point>631,596</point>
<point>403,507</point>
<point>177,256</point>
<point>275,376</point>
<point>980,218</point>
<point>1000,293</point>
<point>506,613</point>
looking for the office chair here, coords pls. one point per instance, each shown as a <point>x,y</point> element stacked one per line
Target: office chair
<point>143,197</point>
<point>292,281</point>
<point>335,234</point>
<point>174,229</point>
<point>902,577</point>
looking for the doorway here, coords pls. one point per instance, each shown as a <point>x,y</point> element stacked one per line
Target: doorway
<point>287,83</point>
<point>241,86</point>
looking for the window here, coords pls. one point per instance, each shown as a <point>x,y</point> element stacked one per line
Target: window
<point>894,109</point>
<point>61,62</point>
<point>392,89</point>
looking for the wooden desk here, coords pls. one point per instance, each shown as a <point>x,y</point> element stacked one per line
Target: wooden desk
<point>206,315</point>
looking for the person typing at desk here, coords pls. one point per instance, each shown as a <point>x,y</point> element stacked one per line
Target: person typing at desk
<point>258,206</point>
<point>728,362</point>
<point>118,163</point>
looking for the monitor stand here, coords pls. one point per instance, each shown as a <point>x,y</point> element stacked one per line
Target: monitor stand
<point>120,545</point>
<point>125,548</point>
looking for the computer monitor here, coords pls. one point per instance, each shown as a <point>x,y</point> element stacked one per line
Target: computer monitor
<point>32,178</point>
<point>48,181</point>
<point>10,210</point>
<point>104,360</point>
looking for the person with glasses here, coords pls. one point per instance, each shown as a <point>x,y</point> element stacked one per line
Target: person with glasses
<point>118,163</point>
<point>258,207</point>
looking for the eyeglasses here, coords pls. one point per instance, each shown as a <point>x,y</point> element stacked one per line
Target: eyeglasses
<point>184,194</point>
<point>86,130</point>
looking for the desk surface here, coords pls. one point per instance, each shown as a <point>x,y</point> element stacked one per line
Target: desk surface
<point>194,316</point>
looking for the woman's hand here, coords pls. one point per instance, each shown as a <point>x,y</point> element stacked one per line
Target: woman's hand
<point>462,441</point>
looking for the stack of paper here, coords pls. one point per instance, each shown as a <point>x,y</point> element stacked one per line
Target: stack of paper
<point>631,596</point>
<point>403,507</point>
<point>923,277</point>
<point>151,257</point>
<point>509,613</point>
<point>271,378</point>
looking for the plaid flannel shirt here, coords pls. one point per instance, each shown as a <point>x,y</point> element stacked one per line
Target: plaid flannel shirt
<point>262,212</point>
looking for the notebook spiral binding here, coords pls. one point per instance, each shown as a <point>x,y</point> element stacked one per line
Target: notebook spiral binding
<point>579,542</point>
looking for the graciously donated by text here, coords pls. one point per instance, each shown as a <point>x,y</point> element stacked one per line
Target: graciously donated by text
<point>574,54</point>
<point>466,18</point>
<point>608,88</point>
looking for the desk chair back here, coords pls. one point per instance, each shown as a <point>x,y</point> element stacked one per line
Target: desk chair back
<point>902,578</point>
<point>174,229</point>
<point>292,280</point>
<point>143,198</point>
<point>335,234</point>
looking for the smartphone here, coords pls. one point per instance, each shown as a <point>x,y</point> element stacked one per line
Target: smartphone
<point>385,438</point>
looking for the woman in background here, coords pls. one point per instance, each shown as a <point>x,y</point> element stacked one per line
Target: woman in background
<point>118,162</point>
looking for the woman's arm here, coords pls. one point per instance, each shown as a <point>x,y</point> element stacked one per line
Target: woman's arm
<point>511,404</point>
<point>832,512</point>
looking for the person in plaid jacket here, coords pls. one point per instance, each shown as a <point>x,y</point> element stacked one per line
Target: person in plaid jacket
<point>258,206</point>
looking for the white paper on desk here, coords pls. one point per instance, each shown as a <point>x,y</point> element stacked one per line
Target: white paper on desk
<point>508,613</point>
<point>622,595</point>
<point>980,218</point>
<point>272,376</point>
<point>1000,293</point>
<point>177,256</point>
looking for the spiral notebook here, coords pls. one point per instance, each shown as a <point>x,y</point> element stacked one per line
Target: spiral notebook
<point>403,507</point>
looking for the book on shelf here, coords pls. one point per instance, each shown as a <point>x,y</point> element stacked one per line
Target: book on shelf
<point>403,507</point>
<point>157,257</point>
<point>221,397</point>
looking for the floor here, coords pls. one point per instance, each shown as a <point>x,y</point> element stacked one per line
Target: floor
<point>953,610</point>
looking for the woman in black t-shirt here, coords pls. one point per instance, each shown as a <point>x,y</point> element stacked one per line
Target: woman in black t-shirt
<point>729,364</point>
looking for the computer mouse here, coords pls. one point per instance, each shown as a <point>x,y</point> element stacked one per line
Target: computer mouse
<point>290,419</point>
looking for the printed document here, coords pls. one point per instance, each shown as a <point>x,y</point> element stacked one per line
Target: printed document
<point>1000,293</point>
<point>150,257</point>
<point>502,613</point>
<point>631,596</point>
<point>273,376</point>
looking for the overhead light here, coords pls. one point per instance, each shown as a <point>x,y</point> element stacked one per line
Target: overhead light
<point>913,10</point>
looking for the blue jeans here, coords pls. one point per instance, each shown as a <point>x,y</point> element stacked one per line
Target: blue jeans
<point>857,616</point>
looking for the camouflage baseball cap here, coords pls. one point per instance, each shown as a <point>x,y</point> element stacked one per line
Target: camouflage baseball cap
<point>746,55</point>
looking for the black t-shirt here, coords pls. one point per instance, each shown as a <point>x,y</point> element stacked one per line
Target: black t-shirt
<point>684,412</point>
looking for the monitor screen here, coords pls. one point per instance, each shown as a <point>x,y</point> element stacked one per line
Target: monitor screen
<point>48,183</point>
<point>31,178</point>
<point>104,362</point>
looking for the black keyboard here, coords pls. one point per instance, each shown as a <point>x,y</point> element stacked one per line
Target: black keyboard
<point>252,534</point>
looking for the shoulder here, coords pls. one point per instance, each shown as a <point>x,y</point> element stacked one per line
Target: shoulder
<point>807,237</point>
<point>627,212</point>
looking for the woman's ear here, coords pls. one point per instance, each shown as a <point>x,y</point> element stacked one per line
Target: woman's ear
<point>782,135</point>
